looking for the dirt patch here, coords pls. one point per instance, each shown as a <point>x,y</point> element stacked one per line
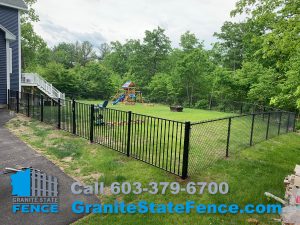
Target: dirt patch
<point>23,130</point>
<point>107,191</point>
<point>54,135</point>
<point>93,151</point>
<point>19,124</point>
<point>77,171</point>
<point>67,159</point>
<point>93,176</point>
<point>22,117</point>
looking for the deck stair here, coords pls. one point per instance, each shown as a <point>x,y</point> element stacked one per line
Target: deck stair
<point>35,80</point>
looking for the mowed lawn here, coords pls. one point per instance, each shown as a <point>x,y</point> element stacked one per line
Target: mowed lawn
<point>163,111</point>
<point>249,174</point>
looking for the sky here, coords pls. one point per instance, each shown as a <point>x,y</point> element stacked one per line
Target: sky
<point>100,21</point>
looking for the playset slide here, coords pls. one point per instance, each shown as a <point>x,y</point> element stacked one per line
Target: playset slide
<point>120,99</point>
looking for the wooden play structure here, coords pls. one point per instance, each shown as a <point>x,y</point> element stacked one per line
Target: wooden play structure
<point>128,94</point>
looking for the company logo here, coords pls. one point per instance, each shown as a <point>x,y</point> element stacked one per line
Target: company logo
<point>34,192</point>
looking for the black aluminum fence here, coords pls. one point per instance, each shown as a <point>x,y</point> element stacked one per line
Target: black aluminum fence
<point>180,148</point>
<point>155,141</point>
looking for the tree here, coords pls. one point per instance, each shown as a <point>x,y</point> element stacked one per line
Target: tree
<point>116,60</point>
<point>265,87</point>
<point>193,71</point>
<point>157,46</point>
<point>223,86</point>
<point>288,94</point>
<point>162,89</point>
<point>188,41</point>
<point>96,81</point>
<point>85,52</point>
<point>64,80</point>
<point>279,25</point>
<point>104,49</point>
<point>34,48</point>
<point>231,37</point>
<point>65,53</point>
<point>142,60</point>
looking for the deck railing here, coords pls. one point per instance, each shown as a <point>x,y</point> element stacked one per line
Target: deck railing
<point>33,79</point>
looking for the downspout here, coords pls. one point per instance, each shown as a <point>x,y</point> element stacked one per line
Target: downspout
<point>7,70</point>
<point>19,47</point>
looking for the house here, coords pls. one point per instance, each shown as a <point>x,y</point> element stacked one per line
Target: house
<point>11,77</point>
<point>10,46</point>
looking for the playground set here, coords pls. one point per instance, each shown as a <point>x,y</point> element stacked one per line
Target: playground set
<point>128,95</point>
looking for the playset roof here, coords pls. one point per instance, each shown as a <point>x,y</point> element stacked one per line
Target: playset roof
<point>128,84</point>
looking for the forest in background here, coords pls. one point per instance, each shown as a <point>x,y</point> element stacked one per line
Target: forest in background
<point>256,60</point>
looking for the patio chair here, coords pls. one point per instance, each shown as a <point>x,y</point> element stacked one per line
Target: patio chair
<point>103,106</point>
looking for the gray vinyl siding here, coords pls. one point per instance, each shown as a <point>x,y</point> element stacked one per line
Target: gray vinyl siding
<point>3,74</point>
<point>9,19</point>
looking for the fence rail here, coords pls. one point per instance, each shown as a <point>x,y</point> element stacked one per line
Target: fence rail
<point>181,148</point>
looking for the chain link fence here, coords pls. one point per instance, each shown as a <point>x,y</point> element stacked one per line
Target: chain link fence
<point>216,140</point>
<point>237,107</point>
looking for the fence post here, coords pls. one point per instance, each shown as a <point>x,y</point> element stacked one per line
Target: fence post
<point>28,105</point>
<point>288,122</point>
<point>18,101</point>
<point>252,129</point>
<point>268,126</point>
<point>279,124</point>
<point>228,137</point>
<point>129,132</point>
<point>241,109</point>
<point>74,116</point>
<point>294,123</point>
<point>253,108</point>
<point>92,123</point>
<point>186,147</point>
<point>59,115</point>
<point>42,108</point>
<point>209,104</point>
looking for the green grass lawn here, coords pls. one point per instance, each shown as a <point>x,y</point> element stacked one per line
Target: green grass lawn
<point>160,142</point>
<point>157,142</point>
<point>249,174</point>
<point>163,111</point>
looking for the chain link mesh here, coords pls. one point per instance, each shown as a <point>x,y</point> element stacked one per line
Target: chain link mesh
<point>215,140</point>
<point>207,144</point>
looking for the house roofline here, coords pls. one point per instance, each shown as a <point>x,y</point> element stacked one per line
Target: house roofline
<point>8,35</point>
<point>13,6</point>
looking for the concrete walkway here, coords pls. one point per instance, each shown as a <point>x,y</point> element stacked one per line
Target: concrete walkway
<point>14,152</point>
